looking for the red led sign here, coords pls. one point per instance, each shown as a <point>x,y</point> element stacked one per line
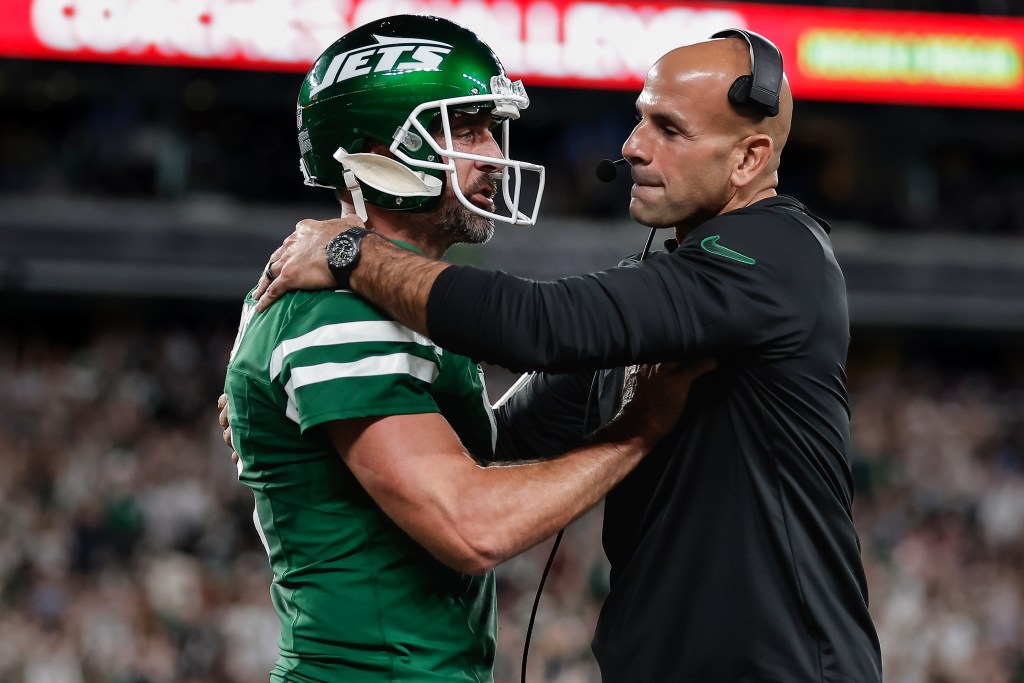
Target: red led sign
<point>833,54</point>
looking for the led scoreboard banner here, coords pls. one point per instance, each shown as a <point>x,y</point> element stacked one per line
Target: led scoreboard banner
<point>831,54</point>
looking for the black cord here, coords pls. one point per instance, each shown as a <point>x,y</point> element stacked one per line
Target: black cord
<point>536,601</point>
<point>647,247</point>
<point>558,538</point>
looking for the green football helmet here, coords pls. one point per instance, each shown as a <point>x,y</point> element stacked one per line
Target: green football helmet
<point>395,81</point>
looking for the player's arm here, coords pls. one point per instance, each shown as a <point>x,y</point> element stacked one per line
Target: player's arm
<point>544,417</point>
<point>473,518</point>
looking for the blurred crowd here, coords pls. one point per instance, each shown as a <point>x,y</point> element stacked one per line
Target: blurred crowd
<point>940,512</point>
<point>127,552</point>
<point>123,556</point>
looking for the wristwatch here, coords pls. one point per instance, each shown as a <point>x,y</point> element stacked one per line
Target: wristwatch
<point>343,254</point>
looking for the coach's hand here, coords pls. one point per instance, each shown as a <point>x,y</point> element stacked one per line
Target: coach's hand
<point>654,397</point>
<point>301,260</point>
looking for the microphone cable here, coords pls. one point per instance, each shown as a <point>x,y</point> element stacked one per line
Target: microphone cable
<point>647,247</point>
<point>554,549</point>
<point>536,601</point>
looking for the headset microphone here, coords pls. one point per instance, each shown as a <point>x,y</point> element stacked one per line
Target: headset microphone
<point>606,170</point>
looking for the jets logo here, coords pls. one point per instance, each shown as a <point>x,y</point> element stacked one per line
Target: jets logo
<point>390,54</point>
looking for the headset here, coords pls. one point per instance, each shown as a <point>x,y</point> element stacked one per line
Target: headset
<point>759,90</point>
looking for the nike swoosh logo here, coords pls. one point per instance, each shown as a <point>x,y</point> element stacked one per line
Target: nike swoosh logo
<point>711,245</point>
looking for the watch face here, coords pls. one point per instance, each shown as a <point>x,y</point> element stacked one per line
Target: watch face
<point>343,251</point>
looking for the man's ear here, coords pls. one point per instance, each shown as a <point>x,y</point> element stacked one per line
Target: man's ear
<point>374,147</point>
<point>753,154</point>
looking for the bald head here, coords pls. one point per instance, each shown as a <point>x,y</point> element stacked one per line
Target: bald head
<point>712,66</point>
<point>694,154</point>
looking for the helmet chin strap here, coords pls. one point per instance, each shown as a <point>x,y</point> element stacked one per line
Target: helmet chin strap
<point>352,185</point>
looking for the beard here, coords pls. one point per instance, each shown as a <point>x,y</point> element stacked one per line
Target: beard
<point>450,222</point>
<point>459,225</point>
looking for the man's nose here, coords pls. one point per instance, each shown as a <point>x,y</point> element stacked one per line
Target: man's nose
<point>632,148</point>
<point>489,147</point>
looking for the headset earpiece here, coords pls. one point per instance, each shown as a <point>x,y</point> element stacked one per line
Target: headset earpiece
<point>739,92</point>
<point>759,90</point>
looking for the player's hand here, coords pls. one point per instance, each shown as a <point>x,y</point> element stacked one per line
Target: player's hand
<point>654,396</point>
<point>222,403</point>
<point>301,260</point>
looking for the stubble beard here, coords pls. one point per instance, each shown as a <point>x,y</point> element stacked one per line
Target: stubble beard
<point>451,222</point>
<point>459,225</point>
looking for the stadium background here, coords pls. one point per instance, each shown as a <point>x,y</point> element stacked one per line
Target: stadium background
<point>138,203</point>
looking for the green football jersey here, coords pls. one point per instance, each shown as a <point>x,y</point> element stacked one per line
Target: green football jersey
<point>358,599</point>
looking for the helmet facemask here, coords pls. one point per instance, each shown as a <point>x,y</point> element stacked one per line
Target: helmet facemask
<point>400,178</point>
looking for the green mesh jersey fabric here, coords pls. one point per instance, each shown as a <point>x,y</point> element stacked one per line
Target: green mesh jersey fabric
<point>358,599</point>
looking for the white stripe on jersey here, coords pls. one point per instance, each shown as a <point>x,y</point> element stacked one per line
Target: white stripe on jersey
<point>259,528</point>
<point>371,366</point>
<point>347,333</point>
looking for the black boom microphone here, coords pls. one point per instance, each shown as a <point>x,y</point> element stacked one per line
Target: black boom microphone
<point>606,170</point>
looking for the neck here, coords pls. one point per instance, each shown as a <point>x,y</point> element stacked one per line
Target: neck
<point>402,226</point>
<point>737,202</point>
